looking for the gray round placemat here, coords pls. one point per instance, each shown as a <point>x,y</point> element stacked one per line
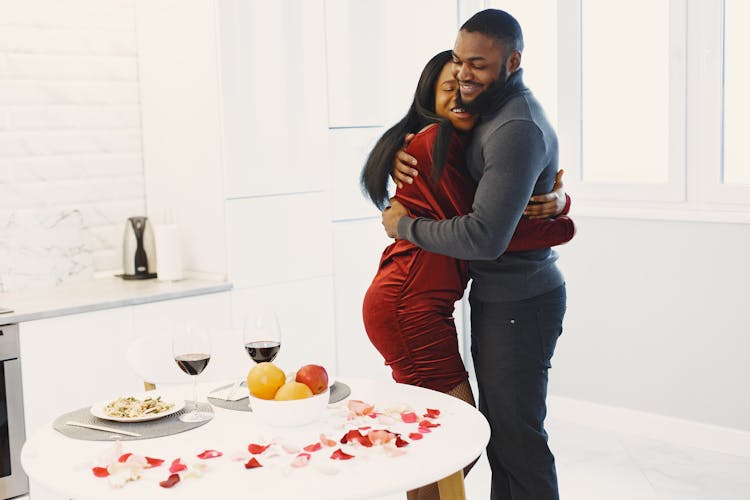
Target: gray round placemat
<point>338,391</point>
<point>160,427</point>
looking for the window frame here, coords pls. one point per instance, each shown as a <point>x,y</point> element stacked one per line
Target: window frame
<point>570,126</point>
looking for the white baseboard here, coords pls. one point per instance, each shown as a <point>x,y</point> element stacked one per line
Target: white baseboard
<point>651,425</point>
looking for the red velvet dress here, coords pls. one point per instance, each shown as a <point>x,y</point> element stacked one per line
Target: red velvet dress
<point>408,309</point>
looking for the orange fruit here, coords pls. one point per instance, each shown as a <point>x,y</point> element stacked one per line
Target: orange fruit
<point>293,390</point>
<point>264,379</point>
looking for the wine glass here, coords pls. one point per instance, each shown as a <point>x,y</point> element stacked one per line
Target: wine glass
<point>262,335</point>
<point>191,347</point>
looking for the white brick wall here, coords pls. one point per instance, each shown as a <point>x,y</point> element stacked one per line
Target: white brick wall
<point>70,122</point>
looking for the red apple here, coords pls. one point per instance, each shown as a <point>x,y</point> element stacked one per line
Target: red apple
<point>313,376</point>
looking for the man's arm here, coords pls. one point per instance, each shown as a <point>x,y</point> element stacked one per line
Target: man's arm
<point>514,157</point>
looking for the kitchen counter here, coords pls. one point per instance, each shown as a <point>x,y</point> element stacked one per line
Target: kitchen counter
<point>98,294</point>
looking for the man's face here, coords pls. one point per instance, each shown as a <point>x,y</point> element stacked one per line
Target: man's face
<point>477,63</point>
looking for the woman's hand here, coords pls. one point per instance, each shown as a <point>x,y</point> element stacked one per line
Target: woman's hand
<point>544,206</point>
<point>402,165</point>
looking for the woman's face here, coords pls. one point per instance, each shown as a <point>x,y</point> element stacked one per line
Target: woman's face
<point>446,89</point>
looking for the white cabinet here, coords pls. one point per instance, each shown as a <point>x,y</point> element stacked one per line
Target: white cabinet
<point>70,361</point>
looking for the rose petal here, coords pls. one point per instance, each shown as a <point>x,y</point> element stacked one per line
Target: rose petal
<point>170,481</point>
<point>177,466</point>
<point>209,454</point>
<point>380,437</point>
<point>432,413</point>
<point>326,441</point>
<point>124,457</point>
<point>360,407</point>
<point>100,471</point>
<point>414,436</point>
<point>301,460</point>
<point>400,442</point>
<point>257,449</point>
<point>355,436</point>
<point>428,424</point>
<point>253,463</point>
<point>340,455</point>
<point>365,428</point>
<point>313,447</point>
<point>424,430</point>
<point>153,462</point>
<point>409,417</point>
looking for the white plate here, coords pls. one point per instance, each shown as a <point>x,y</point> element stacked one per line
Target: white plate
<point>97,409</point>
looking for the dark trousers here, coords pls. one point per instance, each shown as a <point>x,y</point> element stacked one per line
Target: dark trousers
<point>512,344</point>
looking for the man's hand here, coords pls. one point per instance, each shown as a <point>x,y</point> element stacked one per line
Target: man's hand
<point>391,216</point>
<point>544,206</point>
<point>402,165</point>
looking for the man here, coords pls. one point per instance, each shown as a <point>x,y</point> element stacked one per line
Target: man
<point>517,299</point>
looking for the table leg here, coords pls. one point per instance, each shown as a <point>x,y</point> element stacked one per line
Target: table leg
<point>452,487</point>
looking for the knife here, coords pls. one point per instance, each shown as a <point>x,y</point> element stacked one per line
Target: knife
<point>102,428</point>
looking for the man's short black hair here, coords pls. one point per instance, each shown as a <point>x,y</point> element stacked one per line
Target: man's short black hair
<point>499,25</point>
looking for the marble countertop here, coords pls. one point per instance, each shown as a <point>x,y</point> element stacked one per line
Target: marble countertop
<point>98,294</point>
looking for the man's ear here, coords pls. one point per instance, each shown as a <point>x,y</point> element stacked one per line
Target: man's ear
<point>513,62</point>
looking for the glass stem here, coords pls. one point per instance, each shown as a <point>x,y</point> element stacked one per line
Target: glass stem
<point>195,396</point>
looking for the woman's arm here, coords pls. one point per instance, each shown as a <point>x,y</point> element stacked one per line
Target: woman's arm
<point>533,234</point>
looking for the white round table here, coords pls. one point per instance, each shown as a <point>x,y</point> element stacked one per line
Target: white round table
<point>64,465</point>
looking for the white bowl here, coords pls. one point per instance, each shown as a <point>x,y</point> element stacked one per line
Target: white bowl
<point>289,413</point>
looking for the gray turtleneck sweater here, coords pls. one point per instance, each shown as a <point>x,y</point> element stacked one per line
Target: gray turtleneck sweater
<point>512,155</point>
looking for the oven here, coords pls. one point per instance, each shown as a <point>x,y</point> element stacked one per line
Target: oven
<point>13,480</point>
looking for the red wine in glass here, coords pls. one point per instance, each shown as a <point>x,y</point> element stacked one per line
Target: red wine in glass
<point>192,363</point>
<point>263,350</point>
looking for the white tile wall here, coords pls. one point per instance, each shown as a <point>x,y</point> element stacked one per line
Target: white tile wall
<point>70,133</point>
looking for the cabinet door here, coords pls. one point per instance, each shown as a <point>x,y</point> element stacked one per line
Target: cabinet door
<point>72,361</point>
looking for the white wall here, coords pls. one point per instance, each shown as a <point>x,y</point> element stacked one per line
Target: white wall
<point>656,319</point>
<point>70,130</point>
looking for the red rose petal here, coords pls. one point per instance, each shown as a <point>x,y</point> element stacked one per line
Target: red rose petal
<point>301,460</point>
<point>252,463</point>
<point>355,435</point>
<point>100,471</point>
<point>313,447</point>
<point>257,449</point>
<point>424,430</point>
<point>409,417</point>
<point>154,462</point>
<point>176,466</point>
<point>432,413</point>
<point>414,436</point>
<point>428,424</point>
<point>124,458</point>
<point>340,455</point>
<point>170,481</point>
<point>400,443</point>
<point>209,454</point>
<point>364,428</point>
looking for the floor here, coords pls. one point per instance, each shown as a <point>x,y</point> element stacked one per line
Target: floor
<point>595,464</point>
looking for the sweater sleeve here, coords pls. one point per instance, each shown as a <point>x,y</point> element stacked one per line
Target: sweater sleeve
<point>514,156</point>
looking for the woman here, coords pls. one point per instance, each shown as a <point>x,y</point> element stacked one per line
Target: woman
<point>408,309</point>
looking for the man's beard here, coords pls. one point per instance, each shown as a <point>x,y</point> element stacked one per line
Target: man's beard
<point>484,101</point>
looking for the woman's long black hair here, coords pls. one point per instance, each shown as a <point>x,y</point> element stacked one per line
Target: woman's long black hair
<point>377,169</point>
